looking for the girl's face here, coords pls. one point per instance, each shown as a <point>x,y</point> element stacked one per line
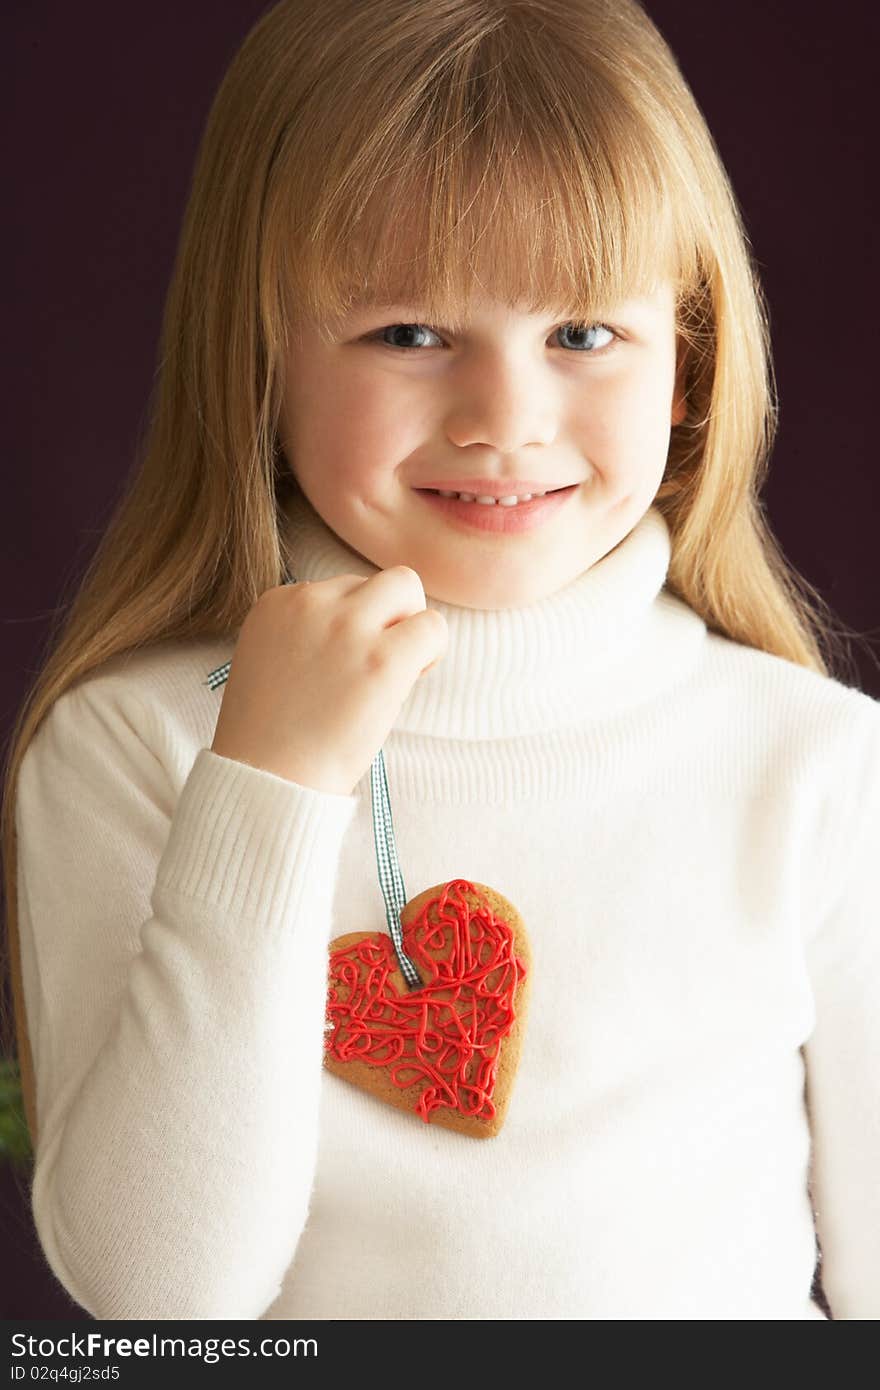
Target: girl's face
<point>512,403</point>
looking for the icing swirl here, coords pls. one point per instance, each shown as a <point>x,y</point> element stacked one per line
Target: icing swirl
<point>447,1032</point>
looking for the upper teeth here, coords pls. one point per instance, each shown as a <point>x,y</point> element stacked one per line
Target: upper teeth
<point>491,501</point>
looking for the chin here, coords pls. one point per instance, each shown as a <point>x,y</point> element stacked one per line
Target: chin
<point>491,597</point>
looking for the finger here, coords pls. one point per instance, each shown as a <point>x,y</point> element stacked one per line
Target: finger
<point>334,587</point>
<point>387,598</point>
<point>418,643</point>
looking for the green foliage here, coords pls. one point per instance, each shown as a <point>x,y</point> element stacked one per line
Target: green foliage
<point>15,1144</point>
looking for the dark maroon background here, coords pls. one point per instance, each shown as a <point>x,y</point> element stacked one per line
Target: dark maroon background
<point>104,107</point>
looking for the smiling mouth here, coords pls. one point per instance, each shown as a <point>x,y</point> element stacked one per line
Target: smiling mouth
<point>505,500</point>
<point>545,493</point>
<point>505,514</point>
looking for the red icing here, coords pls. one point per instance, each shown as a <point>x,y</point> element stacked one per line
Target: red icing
<point>449,1031</point>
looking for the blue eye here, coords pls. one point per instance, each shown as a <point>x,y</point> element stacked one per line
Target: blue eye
<point>584,328</point>
<point>579,329</point>
<point>409,328</point>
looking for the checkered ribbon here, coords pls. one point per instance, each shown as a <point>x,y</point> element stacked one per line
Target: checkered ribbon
<point>390,878</point>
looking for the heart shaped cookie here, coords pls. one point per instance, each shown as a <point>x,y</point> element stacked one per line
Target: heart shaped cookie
<point>448,1051</point>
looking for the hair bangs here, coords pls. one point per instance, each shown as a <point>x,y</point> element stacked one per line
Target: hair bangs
<point>532,193</point>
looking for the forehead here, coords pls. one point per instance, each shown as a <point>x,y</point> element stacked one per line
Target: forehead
<point>652,305</point>
<point>526,255</point>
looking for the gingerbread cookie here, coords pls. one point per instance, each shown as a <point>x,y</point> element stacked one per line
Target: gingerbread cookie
<point>447,1052</point>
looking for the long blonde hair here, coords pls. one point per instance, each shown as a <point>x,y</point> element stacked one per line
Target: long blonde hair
<point>549,150</point>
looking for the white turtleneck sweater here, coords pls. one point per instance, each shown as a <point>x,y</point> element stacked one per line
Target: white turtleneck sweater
<point>690,830</point>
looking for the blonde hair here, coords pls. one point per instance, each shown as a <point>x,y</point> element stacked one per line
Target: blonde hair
<point>549,150</point>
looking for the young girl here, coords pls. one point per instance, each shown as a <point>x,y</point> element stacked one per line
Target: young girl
<point>488,250</point>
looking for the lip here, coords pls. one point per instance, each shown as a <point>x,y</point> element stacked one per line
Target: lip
<point>491,487</point>
<point>481,516</point>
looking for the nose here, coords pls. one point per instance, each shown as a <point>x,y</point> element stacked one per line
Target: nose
<point>502,401</point>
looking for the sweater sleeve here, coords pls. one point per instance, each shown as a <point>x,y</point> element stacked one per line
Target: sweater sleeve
<point>843,1051</point>
<point>174,967</point>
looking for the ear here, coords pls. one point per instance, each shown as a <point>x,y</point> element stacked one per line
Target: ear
<point>679,394</point>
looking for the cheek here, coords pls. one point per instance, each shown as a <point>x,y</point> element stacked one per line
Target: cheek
<point>355,441</point>
<point>624,420</point>
<point>345,412</point>
<point>379,425</point>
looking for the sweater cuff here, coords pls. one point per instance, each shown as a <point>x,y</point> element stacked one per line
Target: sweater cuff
<point>250,844</point>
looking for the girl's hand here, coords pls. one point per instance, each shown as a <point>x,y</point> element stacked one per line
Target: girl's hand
<point>320,671</point>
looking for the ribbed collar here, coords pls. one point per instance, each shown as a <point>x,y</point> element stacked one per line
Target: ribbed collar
<point>612,638</point>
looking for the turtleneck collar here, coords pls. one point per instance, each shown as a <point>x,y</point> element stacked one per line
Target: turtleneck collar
<point>612,638</point>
